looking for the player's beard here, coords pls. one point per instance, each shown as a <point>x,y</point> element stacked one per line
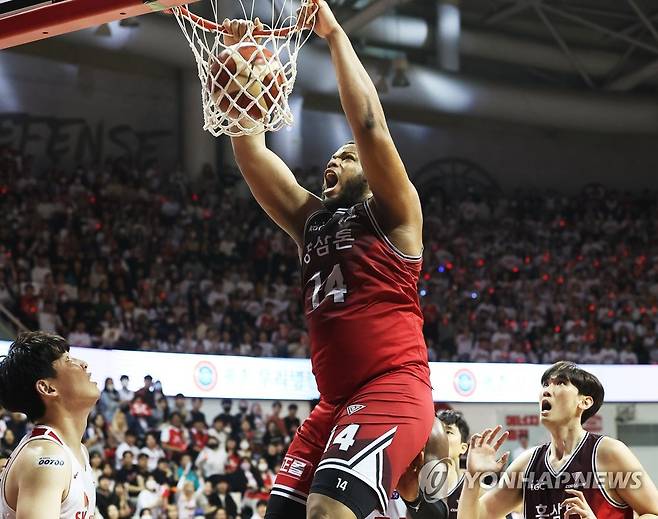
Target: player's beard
<point>353,191</point>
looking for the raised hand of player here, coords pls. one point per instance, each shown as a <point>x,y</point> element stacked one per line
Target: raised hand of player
<point>317,14</point>
<point>577,506</point>
<point>483,452</point>
<point>235,30</point>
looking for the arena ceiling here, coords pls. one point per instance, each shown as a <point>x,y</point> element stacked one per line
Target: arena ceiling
<point>607,45</point>
<point>587,65</point>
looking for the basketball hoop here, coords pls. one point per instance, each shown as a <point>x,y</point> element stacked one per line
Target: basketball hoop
<point>245,87</point>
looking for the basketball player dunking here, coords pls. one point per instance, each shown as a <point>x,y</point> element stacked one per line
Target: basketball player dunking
<point>48,475</point>
<point>360,248</point>
<point>577,475</point>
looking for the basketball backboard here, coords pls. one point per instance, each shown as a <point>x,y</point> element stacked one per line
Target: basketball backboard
<point>23,21</point>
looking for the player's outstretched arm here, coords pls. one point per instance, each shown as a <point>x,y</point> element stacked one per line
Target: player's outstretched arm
<point>274,186</point>
<point>271,182</point>
<point>482,459</point>
<point>640,492</point>
<point>397,205</point>
<point>43,473</point>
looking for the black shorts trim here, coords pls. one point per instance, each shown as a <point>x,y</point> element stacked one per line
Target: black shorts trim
<point>348,489</point>
<point>280,507</point>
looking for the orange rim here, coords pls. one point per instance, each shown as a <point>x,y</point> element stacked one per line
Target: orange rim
<point>209,26</point>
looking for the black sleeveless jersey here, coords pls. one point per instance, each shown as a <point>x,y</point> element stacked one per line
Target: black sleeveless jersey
<point>544,487</point>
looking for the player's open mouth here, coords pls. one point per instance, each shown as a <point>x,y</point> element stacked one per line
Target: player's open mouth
<point>545,407</point>
<point>330,181</point>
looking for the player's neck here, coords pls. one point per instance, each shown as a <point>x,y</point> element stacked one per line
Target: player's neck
<point>454,466</point>
<point>70,425</point>
<point>565,438</point>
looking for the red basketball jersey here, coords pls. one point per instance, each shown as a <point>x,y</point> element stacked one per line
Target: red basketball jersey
<point>544,487</point>
<point>361,302</point>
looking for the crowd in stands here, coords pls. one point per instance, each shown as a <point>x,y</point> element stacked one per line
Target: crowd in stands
<point>117,257</point>
<point>153,460</point>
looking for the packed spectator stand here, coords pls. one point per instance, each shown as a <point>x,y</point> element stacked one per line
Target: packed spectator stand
<point>116,257</point>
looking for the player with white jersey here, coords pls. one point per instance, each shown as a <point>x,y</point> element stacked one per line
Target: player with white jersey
<point>48,475</point>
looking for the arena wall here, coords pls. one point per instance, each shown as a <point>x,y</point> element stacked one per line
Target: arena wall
<point>68,114</point>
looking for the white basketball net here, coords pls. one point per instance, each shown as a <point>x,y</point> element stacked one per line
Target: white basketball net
<point>244,89</point>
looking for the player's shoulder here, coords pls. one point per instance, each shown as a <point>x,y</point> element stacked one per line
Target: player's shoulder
<point>41,460</point>
<point>42,447</point>
<point>523,460</point>
<point>612,453</point>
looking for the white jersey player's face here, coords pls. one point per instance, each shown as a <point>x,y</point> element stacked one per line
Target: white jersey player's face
<point>73,382</point>
<point>344,183</point>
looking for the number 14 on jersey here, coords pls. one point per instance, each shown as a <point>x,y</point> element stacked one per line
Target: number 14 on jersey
<point>334,286</point>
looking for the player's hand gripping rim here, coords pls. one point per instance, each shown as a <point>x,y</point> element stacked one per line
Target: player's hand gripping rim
<point>238,31</point>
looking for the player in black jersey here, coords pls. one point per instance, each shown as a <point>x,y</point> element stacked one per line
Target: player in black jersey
<point>427,504</point>
<point>577,475</point>
<point>457,431</point>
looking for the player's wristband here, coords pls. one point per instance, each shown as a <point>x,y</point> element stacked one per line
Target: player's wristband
<point>421,509</point>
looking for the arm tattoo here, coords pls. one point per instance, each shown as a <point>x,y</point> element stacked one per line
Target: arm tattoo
<point>370,117</point>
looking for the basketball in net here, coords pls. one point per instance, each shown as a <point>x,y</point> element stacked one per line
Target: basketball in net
<point>245,78</point>
<point>245,86</point>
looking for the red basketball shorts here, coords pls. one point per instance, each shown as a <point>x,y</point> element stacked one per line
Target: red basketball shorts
<point>355,452</point>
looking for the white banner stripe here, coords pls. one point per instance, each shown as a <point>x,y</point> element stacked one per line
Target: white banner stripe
<point>215,376</point>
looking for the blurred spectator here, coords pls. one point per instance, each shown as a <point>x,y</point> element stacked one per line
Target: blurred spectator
<point>125,394</point>
<point>291,420</point>
<point>190,502</point>
<point>212,460</point>
<point>146,392</point>
<point>96,434</point>
<point>8,443</point>
<point>105,496</point>
<point>222,499</point>
<point>152,449</point>
<point>276,419</point>
<point>129,475</point>
<point>174,437</point>
<point>80,337</point>
<point>128,444</point>
<point>109,401</point>
<point>195,413</point>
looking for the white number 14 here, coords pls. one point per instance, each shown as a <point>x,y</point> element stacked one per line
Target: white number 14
<point>334,286</point>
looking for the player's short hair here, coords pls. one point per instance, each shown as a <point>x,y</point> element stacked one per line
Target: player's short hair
<point>586,383</point>
<point>452,417</point>
<point>30,358</point>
